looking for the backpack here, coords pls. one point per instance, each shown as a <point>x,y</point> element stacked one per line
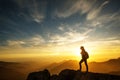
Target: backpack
<point>86,55</point>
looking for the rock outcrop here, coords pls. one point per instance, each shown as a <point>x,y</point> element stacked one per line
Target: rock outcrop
<point>41,75</point>
<point>71,75</point>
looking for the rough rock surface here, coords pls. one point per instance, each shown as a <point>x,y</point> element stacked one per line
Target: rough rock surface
<point>41,75</point>
<point>71,75</point>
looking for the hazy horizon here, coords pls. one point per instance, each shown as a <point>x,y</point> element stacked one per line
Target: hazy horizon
<point>53,59</point>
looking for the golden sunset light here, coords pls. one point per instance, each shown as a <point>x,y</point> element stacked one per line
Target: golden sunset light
<point>53,36</point>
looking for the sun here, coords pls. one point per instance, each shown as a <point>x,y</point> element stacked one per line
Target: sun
<point>77,52</point>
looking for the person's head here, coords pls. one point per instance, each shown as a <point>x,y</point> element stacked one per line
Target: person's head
<point>82,48</point>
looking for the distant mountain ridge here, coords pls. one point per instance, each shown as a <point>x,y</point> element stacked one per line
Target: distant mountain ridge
<point>112,65</point>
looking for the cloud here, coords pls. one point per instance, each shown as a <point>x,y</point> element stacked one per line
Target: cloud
<point>37,17</point>
<point>104,27</point>
<point>15,43</point>
<point>95,12</point>
<point>69,36</point>
<point>71,7</point>
<point>35,9</point>
<point>35,41</point>
<point>79,33</point>
<point>39,11</point>
<point>105,20</point>
<point>61,28</point>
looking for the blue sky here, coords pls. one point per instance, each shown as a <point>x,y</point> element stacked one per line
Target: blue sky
<point>46,23</point>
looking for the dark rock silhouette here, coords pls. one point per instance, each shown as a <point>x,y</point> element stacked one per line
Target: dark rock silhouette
<point>54,77</point>
<point>41,75</point>
<point>68,74</point>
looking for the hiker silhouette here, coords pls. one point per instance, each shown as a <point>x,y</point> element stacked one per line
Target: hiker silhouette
<point>85,56</point>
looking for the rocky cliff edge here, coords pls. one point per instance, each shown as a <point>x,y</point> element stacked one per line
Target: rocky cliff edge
<point>68,74</point>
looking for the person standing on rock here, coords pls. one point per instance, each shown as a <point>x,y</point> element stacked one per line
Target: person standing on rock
<point>85,56</point>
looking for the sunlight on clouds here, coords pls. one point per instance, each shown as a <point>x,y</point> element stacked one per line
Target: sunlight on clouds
<point>70,34</point>
<point>103,46</point>
<point>15,44</point>
<point>68,43</point>
<point>57,29</point>
<point>36,40</point>
<point>68,51</point>
<point>67,38</point>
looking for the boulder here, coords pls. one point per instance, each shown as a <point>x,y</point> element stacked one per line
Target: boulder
<point>41,75</point>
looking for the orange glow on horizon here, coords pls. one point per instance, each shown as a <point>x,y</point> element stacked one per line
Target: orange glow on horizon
<point>70,52</point>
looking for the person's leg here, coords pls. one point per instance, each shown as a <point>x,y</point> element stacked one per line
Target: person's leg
<point>86,65</point>
<point>80,64</point>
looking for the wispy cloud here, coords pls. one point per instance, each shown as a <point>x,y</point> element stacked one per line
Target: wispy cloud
<point>95,12</point>
<point>38,11</point>
<point>105,20</point>
<point>70,35</point>
<point>35,41</point>
<point>71,7</point>
<point>15,43</point>
<point>61,28</point>
<point>79,33</point>
<point>35,9</point>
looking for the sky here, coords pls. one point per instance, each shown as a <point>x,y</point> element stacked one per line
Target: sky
<point>54,30</point>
